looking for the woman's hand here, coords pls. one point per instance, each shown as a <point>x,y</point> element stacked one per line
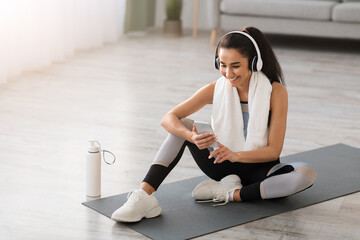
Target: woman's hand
<point>223,154</point>
<point>203,140</point>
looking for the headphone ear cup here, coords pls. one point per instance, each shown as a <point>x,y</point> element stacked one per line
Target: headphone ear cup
<point>217,63</point>
<point>253,64</point>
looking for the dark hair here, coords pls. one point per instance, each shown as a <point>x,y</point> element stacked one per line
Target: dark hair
<point>271,67</point>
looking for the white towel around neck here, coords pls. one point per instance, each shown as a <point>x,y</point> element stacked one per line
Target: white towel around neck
<point>227,120</point>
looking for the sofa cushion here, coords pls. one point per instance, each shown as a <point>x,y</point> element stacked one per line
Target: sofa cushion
<point>298,9</point>
<point>347,12</point>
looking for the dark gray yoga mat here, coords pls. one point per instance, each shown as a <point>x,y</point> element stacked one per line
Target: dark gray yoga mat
<point>337,166</point>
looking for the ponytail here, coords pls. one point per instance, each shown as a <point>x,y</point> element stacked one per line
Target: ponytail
<point>271,67</point>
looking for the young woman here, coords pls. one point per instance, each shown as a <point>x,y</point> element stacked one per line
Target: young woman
<point>249,122</point>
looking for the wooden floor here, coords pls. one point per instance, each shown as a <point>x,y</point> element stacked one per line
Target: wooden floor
<point>118,94</point>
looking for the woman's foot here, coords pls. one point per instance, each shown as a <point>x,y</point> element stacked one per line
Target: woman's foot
<point>138,206</point>
<point>217,191</point>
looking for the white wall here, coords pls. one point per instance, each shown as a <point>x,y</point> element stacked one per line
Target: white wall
<point>187,14</point>
<point>35,33</point>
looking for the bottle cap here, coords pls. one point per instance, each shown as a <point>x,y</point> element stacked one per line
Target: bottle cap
<point>94,146</point>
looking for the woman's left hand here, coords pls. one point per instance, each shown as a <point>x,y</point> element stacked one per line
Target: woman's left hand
<point>223,153</point>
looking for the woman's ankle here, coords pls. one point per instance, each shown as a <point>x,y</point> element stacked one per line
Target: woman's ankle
<point>147,188</point>
<point>236,196</point>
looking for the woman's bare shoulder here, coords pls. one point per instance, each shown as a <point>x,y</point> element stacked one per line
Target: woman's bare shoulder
<point>278,90</point>
<point>279,96</point>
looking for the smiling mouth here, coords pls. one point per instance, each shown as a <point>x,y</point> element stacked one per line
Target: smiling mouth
<point>233,79</point>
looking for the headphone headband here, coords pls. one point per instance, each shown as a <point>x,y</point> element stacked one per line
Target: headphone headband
<point>259,62</point>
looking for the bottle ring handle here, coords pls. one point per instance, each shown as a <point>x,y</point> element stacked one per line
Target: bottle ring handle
<point>114,158</point>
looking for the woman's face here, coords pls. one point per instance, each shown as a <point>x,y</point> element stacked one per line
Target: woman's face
<point>234,66</point>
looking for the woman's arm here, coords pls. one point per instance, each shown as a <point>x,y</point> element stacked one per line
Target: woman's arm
<point>278,107</point>
<point>171,121</point>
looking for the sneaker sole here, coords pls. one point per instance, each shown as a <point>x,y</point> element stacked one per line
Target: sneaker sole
<point>156,211</point>
<point>152,213</point>
<point>231,178</point>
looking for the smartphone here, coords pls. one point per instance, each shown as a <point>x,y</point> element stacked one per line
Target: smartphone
<point>204,127</point>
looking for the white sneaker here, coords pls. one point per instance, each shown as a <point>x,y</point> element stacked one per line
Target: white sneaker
<point>213,191</point>
<point>137,207</point>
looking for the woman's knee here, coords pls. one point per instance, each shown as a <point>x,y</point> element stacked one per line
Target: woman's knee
<point>287,184</point>
<point>299,167</point>
<point>303,177</point>
<point>307,172</point>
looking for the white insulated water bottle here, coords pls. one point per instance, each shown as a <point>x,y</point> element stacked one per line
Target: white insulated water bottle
<point>93,169</point>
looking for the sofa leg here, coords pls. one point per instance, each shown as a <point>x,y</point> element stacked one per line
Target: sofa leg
<point>213,37</point>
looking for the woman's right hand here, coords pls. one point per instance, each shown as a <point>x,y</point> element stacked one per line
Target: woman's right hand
<point>203,140</point>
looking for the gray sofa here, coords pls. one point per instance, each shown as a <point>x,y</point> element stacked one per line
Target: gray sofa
<point>318,18</point>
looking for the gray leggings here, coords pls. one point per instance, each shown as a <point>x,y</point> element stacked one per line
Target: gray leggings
<point>260,180</point>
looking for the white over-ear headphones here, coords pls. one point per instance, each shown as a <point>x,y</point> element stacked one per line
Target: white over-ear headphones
<point>256,63</point>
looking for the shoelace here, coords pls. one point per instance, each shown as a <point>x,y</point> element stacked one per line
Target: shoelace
<point>218,198</point>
